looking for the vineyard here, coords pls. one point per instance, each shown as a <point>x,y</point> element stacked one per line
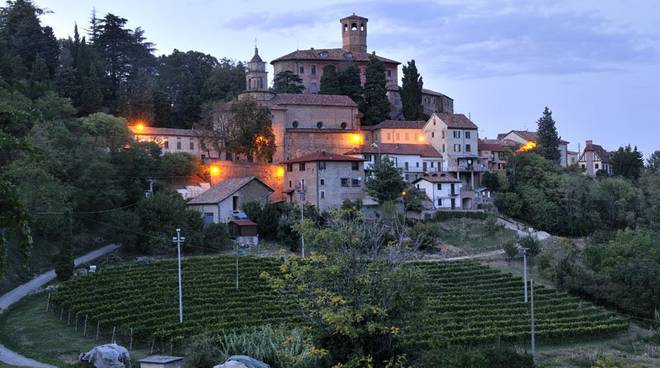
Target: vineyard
<point>464,303</point>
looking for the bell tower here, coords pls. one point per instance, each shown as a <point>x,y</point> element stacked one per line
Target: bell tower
<point>256,78</point>
<point>354,33</point>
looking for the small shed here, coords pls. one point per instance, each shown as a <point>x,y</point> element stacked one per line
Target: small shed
<point>161,361</point>
<point>245,231</point>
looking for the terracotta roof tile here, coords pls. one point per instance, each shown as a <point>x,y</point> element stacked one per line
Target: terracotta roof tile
<point>526,135</point>
<point>310,99</point>
<point>438,178</point>
<point>224,189</point>
<point>456,121</point>
<point>397,124</point>
<point>338,54</point>
<point>323,156</point>
<point>162,131</point>
<point>493,145</point>
<point>424,150</point>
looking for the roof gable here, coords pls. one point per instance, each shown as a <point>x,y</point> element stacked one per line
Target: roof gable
<point>224,189</point>
<point>455,121</point>
<point>338,54</point>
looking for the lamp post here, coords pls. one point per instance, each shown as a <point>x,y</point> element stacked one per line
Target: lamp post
<point>178,239</point>
<point>403,200</point>
<point>524,252</point>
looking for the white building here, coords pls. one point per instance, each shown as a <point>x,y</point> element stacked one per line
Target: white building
<point>524,138</point>
<point>412,160</point>
<point>171,140</point>
<point>595,158</point>
<point>444,191</point>
<point>218,203</point>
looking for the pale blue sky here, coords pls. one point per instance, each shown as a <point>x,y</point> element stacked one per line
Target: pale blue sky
<point>595,63</point>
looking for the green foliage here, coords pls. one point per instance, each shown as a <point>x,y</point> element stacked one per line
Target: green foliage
<point>510,249</point>
<point>386,183</point>
<point>411,93</point>
<point>497,357</point>
<point>180,164</point>
<point>351,84</point>
<point>650,207</point>
<point>376,106</point>
<point>216,236</point>
<point>653,162</point>
<point>254,135</point>
<point>414,199</point>
<point>494,181</point>
<point>226,81</point>
<point>330,84</point>
<point>287,82</point>
<point>627,162</point>
<point>444,215</point>
<point>425,234</point>
<point>548,144</point>
<point>532,245</point>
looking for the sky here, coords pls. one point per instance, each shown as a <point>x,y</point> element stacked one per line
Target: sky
<point>594,63</point>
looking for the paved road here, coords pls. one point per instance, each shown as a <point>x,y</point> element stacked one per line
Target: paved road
<point>9,357</point>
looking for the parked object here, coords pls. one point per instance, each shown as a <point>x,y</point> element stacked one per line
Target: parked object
<point>239,215</point>
<point>242,361</point>
<point>107,356</point>
<point>161,361</point>
<point>244,231</point>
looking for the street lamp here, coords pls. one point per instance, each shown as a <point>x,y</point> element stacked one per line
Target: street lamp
<point>178,239</point>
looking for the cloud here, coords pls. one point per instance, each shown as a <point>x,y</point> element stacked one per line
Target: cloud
<point>484,38</point>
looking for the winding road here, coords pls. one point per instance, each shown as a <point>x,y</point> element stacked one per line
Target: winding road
<point>12,358</point>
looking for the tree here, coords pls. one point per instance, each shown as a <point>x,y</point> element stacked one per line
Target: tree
<point>287,82</point>
<point>411,93</point>
<point>386,183</point>
<point>216,129</point>
<point>653,162</point>
<point>254,133</point>
<point>548,138</point>
<point>226,81</point>
<point>330,84</point>
<point>181,164</point>
<point>627,162</point>
<point>353,289</point>
<point>494,181</point>
<point>376,106</point>
<point>351,84</point>
<point>64,265</point>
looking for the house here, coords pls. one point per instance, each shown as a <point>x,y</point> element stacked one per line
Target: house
<point>524,139</point>
<point>412,160</point>
<point>395,131</point>
<point>595,158</point>
<point>494,154</point>
<point>324,179</point>
<point>218,203</point>
<point>572,157</point>
<point>444,191</point>
<point>244,231</point>
<point>172,140</point>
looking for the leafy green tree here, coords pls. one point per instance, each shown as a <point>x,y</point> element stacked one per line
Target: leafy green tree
<point>216,236</point>
<point>385,183</point>
<point>619,203</point>
<point>64,264</point>
<point>627,162</point>
<point>350,83</point>
<point>376,106</point>
<point>548,138</point>
<point>411,93</point>
<point>287,82</point>
<point>494,181</point>
<point>648,185</point>
<point>254,133</point>
<point>180,164</point>
<point>226,81</point>
<point>330,84</point>
<point>653,162</point>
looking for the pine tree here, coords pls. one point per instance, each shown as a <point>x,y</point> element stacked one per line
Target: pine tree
<point>330,81</point>
<point>64,264</point>
<point>548,138</point>
<point>91,95</point>
<point>411,93</point>
<point>350,84</point>
<point>376,106</point>
<point>39,81</point>
<point>627,162</point>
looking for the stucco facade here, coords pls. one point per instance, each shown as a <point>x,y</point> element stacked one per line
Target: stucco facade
<point>443,191</point>
<point>218,208</point>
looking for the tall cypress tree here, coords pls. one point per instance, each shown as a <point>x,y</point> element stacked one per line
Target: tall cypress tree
<point>376,107</point>
<point>411,93</point>
<point>548,138</point>
<point>330,81</point>
<point>350,83</point>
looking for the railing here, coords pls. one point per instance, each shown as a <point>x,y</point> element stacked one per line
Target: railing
<point>465,167</point>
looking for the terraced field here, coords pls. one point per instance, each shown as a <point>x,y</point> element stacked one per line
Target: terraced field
<point>464,303</point>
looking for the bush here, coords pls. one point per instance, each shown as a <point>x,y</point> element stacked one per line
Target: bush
<point>532,244</point>
<point>203,352</point>
<point>510,249</point>
<point>491,224</point>
<point>216,236</point>
<point>424,234</point>
<point>459,357</point>
<point>444,215</point>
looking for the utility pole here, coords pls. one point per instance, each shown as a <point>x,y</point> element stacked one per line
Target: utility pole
<point>531,286</point>
<point>178,240</point>
<point>524,252</point>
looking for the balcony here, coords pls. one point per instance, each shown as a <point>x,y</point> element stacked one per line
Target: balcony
<point>467,168</point>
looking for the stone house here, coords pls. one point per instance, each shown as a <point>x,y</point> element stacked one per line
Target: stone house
<point>494,154</point>
<point>519,138</point>
<point>172,140</point>
<point>595,158</point>
<point>218,203</point>
<point>412,160</point>
<point>444,191</point>
<point>325,179</point>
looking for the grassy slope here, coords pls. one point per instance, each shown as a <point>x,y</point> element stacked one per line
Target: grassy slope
<point>472,234</point>
<point>29,330</point>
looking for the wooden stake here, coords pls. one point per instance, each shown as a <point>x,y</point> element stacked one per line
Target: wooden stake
<point>48,303</point>
<point>68,318</point>
<point>98,327</point>
<point>153,342</point>
<point>85,329</point>
<point>130,344</point>
<point>62,314</point>
<point>113,334</point>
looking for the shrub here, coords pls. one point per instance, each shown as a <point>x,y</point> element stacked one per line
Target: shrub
<point>424,234</point>
<point>459,357</point>
<point>510,249</point>
<point>532,244</point>
<point>216,236</point>
<point>444,215</point>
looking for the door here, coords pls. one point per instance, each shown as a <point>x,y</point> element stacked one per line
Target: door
<point>234,203</point>
<point>453,203</point>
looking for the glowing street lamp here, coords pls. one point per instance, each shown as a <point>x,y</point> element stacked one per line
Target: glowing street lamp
<point>214,170</point>
<point>356,138</point>
<point>421,138</point>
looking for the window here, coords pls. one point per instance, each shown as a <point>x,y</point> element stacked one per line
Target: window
<point>344,182</point>
<point>322,194</point>
<point>468,148</point>
<point>443,134</point>
<point>457,133</point>
<point>355,182</point>
<point>443,148</point>
<point>301,166</point>
<point>417,164</point>
<point>322,182</point>
<point>290,184</point>
<point>234,203</point>
<point>289,167</point>
<point>596,166</point>
<point>367,157</point>
<point>389,73</point>
<point>439,186</point>
<point>457,148</point>
<point>319,124</point>
<point>321,165</point>
<point>343,125</point>
<point>166,144</point>
<point>355,166</point>
<point>406,166</point>
<point>301,70</point>
<point>208,218</point>
<point>424,169</point>
<point>313,88</point>
<point>313,69</point>
<point>178,145</point>
<point>432,134</point>
<point>294,123</point>
<point>467,134</point>
<point>439,202</point>
<point>431,164</point>
<point>192,145</point>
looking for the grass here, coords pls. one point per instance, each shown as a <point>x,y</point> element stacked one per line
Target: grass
<point>31,331</point>
<point>473,234</point>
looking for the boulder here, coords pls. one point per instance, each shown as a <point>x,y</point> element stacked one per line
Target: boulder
<point>108,356</point>
<point>242,361</point>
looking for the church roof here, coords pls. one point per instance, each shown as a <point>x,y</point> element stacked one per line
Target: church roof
<point>256,58</point>
<point>309,99</point>
<point>339,54</point>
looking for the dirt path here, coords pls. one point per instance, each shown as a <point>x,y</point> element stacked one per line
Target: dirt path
<point>9,357</point>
